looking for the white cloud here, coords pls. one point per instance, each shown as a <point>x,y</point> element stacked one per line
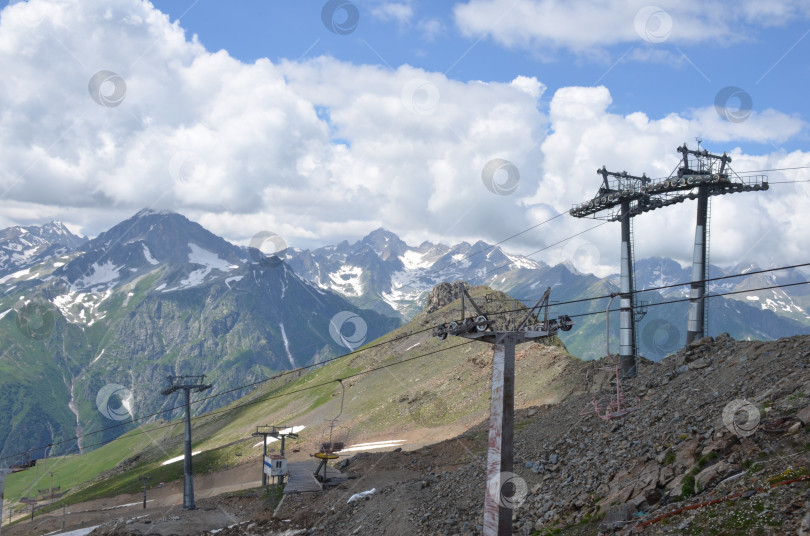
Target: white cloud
<point>530,85</point>
<point>321,150</point>
<point>582,26</point>
<point>399,12</point>
<point>585,136</point>
<point>431,28</point>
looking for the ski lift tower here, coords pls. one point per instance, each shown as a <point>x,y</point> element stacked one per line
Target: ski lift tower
<point>187,384</point>
<point>700,176</point>
<point>620,197</point>
<point>3,472</point>
<point>501,490</point>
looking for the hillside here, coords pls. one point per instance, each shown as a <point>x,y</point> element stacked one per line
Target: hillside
<point>676,465</point>
<point>429,390</point>
<point>90,332</point>
<point>89,329</point>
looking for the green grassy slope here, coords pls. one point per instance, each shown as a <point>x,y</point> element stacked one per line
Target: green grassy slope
<point>420,399</point>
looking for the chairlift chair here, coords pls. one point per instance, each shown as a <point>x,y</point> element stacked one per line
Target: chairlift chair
<point>329,446</point>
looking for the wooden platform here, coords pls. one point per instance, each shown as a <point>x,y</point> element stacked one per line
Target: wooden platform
<point>302,477</point>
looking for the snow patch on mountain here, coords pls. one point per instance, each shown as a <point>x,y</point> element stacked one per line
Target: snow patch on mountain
<point>82,307</point>
<point>413,260</point>
<point>148,256</point>
<point>197,277</point>
<point>782,302</point>
<point>522,262</point>
<point>17,275</point>
<point>208,259</point>
<point>347,280</point>
<point>460,261</point>
<point>287,345</point>
<point>101,275</point>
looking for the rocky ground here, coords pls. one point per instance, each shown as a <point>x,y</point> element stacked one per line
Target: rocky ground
<point>672,466</point>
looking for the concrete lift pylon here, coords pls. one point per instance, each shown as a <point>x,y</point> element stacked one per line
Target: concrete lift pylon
<point>501,490</point>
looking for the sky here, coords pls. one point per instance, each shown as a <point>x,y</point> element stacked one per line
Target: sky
<point>444,121</point>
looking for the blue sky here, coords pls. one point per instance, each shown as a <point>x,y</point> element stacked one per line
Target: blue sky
<point>287,117</point>
<point>769,62</point>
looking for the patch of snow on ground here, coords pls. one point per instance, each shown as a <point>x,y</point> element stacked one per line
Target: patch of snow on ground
<point>287,345</point>
<point>210,261</point>
<point>347,280</point>
<point>98,356</point>
<point>522,262</point>
<point>408,286</point>
<point>15,275</point>
<point>204,257</point>
<point>77,532</point>
<point>393,443</point>
<point>81,307</point>
<point>752,298</point>
<point>178,458</point>
<point>413,260</point>
<point>148,255</point>
<point>460,261</point>
<point>126,299</point>
<point>101,275</point>
<point>194,278</point>
<point>234,279</point>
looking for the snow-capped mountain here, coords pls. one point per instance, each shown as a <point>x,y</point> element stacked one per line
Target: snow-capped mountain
<point>155,295</point>
<point>790,301</point>
<point>382,272</point>
<point>24,247</point>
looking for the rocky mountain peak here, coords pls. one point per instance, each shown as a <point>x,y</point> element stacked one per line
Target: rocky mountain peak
<point>385,243</point>
<point>167,237</point>
<point>444,293</point>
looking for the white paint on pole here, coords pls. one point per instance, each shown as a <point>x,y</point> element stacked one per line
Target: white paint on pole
<point>493,488</point>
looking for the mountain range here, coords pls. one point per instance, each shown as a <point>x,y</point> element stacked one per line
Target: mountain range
<point>382,272</point>
<point>90,329</point>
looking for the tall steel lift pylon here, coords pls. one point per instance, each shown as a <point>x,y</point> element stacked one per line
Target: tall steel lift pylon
<point>501,486</point>
<point>620,195</point>
<point>627,196</point>
<point>186,384</point>
<point>3,472</point>
<point>701,176</point>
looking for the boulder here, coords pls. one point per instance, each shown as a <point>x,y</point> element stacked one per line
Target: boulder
<point>617,516</point>
<point>685,457</point>
<point>804,415</point>
<point>711,475</point>
<point>699,363</point>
